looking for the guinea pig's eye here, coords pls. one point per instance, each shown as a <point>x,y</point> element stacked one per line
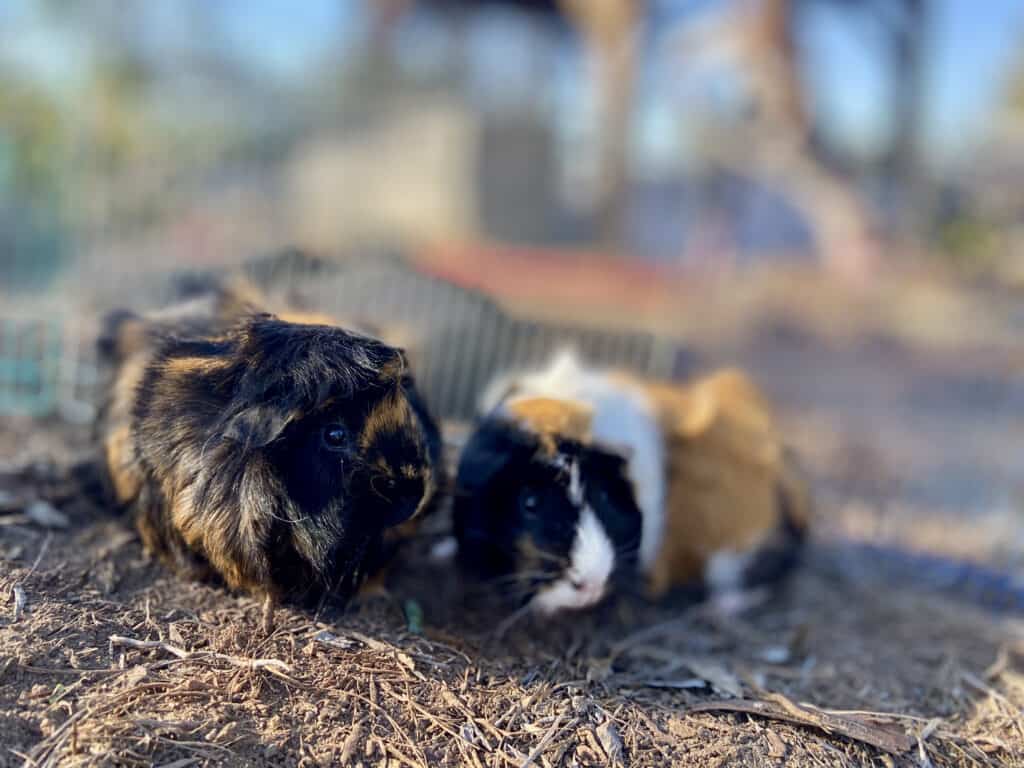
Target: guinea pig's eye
<point>528,500</point>
<point>335,437</point>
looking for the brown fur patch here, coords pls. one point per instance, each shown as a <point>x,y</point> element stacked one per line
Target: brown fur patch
<point>376,583</point>
<point>306,318</point>
<point>124,477</point>
<point>193,366</point>
<point>118,446</point>
<point>391,414</point>
<point>532,558</point>
<point>131,338</point>
<point>551,419</point>
<point>726,468</point>
<point>394,370</point>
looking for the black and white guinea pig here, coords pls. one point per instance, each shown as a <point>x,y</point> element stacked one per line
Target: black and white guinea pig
<point>577,478</point>
<point>271,451</point>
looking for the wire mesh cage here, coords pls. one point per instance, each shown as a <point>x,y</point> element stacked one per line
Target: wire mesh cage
<point>457,338</point>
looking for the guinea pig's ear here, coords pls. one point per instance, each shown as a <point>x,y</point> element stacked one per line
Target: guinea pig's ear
<point>493,447</point>
<point>604,462</point>
<point>257,426</point>
<point>122,335</point>
<point>394,367</point>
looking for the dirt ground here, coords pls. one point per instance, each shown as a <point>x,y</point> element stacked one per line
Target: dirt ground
<point>106,658</point>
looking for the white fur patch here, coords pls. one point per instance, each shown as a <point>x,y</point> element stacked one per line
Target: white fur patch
<point>724,570</point>
<point>575,484</point>
<point>591,562</point>
<point>623,417</point>
<point>444,549</point>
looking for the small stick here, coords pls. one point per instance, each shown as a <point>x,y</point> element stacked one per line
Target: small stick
<point>42,551</point>
<point>393,751</point>
<point>18,590</point>
<point>780,708</point>
<point>547,739</point>
<point>268,614</point>
<point>19,600</point>
<point>348,748</point>
<point>274,666</point>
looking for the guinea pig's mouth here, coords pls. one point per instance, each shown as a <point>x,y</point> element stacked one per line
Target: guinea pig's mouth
<point>348,566</point>
<point>591,565</point>
<point>400,510</point>
<point>567,595</point>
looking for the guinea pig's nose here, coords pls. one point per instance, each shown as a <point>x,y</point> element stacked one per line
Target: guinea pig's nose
<point>588,590</point>
<point>402,509</point>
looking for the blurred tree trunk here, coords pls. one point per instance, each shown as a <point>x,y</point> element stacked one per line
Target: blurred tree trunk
<point>610,30</point>
<point>384,14</point>
<point>902,162</point>
<point>840,218</point>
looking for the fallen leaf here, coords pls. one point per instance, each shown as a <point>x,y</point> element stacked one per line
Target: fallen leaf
<point>44,514</point>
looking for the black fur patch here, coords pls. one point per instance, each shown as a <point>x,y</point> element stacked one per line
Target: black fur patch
<point>610,493</point>
<point>780,554</point>
<point>513,516</point>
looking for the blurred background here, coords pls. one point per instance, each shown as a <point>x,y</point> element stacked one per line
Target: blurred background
<point>825,191</point>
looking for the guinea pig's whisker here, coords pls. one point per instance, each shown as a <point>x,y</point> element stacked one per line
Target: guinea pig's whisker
<point>514,586</point>
<point>520,577</point>
<point>514,618</point>
<point>548,557</point>
<point>302,519</point>
<point>628,550</point>
<point>373,487</point>
<point>544,557</point>
<point>455,493</point>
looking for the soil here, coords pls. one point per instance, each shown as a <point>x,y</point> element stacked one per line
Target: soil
<point>109,659</point>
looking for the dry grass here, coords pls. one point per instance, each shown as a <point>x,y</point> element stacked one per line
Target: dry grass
<point>111,660</point>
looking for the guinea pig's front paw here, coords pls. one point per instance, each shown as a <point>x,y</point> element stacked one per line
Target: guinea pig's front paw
<point>374,588</point>
<point>732,603</point>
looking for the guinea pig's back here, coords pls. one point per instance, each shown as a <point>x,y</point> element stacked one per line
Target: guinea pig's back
<point>736,505</point>
<point>125,347</point>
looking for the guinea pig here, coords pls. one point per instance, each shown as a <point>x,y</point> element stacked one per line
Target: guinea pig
<point>270,453</point>
<point>578,479</point>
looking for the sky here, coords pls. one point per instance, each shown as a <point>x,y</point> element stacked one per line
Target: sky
<point>971,43</point>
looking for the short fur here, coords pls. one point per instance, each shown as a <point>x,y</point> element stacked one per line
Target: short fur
<point>620,420</point>
<point>514,514</point>
<point>214,437</point>
<point>695,480</point>
<point>733,487</point>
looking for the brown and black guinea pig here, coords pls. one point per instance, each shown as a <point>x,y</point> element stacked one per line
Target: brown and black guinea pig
<point>576,480</point>
<point>272,451</point>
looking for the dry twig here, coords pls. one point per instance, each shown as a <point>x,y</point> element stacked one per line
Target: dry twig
<point>275,667</point>
<point>778,707</point>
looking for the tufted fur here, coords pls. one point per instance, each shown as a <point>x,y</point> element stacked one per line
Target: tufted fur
<point>212,437</point>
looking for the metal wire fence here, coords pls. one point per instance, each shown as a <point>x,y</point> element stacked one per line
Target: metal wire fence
<point>457,338</point>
